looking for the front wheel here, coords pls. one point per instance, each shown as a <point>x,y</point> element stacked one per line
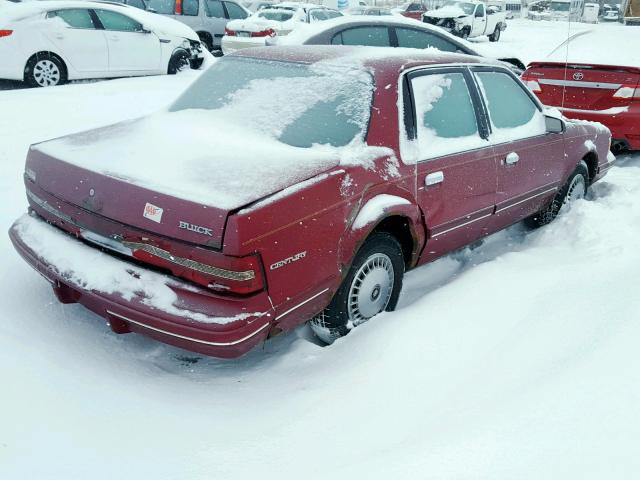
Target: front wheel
<point>179,62</point>
<point>372,285</point>
<point>574,189</point>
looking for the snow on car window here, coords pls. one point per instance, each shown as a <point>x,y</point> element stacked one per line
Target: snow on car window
<point>445,116</point>
<point>276,15</point>
<point>466,7</point>
<point>512,112</point>
<point>297,104</point>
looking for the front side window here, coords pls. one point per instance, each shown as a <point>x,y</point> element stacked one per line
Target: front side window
<point>367,36</point>
<point>164,7</point>
<point>445,115</point>
<point>512,112</point>
<point>480,11</point>
<point>235,12</point>
<point>117,22</point>
<point>214,9</point>
<point>73,17</point>
<point>190,7</point>
<point>332,14</point>
<point>409,38</point>
<point>299,105</point>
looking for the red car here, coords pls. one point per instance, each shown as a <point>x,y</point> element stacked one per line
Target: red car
<point>596,84</point>
<point>413,10</point>
<point>294,183</point>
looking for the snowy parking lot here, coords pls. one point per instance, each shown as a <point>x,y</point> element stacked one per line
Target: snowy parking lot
<point>513,359</point>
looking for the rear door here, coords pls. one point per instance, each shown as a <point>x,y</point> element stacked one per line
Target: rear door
<point>74,33</point>
<point>530,160</point>
<point>414,38</point>
<point>215,20</point>
<point>455,164</point>
<point>131,47</point>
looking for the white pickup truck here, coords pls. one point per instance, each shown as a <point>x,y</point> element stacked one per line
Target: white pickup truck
<point>468,19</point>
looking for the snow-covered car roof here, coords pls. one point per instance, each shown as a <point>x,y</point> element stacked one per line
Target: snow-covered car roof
<point>594,47</point>
<point>158,23</point>
<point>296,5</point>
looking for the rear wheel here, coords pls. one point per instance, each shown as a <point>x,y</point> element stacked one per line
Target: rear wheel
<point>574,189</point>
<point>496,34</point>
<point>372,285</point>
<point>45,70</point>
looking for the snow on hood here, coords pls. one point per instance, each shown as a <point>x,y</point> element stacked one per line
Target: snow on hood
<point>594,47</point>
<point>446,12</point>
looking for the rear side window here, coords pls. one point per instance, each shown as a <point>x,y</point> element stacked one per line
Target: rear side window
<point>138,4</point>
<point>410,38</point>
<point>332,14</point>
<point>414,7</point>
<point>234,11</point>
<point>74,17</point>
<point>214,9</point>
<point>317,15</point>
<point>164,7</point>
<point>445,116</point>
<point>117,22</point>
<point>368,36</point>
<point>512,112</point>
<point>190,7</point>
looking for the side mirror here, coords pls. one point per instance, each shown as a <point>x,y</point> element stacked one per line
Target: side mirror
<point>554,125</point>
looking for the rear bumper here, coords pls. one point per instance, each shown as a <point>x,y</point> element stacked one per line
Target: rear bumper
<point>229,339</point>
<point>624,125</point>
<point>233,44</point>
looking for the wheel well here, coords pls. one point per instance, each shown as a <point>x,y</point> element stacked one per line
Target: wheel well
<point>206,37</point>
<point>591,159</point>
<point>399,228</point>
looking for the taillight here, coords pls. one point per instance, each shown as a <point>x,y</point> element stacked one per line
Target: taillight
<point>5,33</point>
<point>627,92</point>
<point>178,10</point>
<point>269,32</point>
<point>531,83</point>
<point>230,33</point>
<point>239,275</point>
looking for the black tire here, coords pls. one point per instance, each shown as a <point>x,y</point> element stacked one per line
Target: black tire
<point>496,34</point>
<point>339,317</point>
<point>45,70</point>
<point>464,34</point>
<point>206,40</point>
<point>551,211</point>
<point>178,62</point>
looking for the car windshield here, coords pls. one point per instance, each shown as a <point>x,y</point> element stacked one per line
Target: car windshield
<point>560,6</point>
<point>300,105</point>
<point>165,7</point>
<point>276,15</point>
<point>466,7</point>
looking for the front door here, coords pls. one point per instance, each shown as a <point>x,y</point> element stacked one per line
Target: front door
<point>456,166</point>
<point>529,169</point>
<point>479,21</point>
<point>131,47</point>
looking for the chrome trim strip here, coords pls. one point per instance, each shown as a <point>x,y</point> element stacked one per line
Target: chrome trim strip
<point>527,199</point>
<point>608,111</point>
<point>51,209</point>
<point>574,83</point>
<point>191,339</point>
<point>460,226</point>
<point>301,304</point>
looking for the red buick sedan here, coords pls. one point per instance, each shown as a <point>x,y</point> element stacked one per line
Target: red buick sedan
<point>591,83</point>
<point>294,183</point>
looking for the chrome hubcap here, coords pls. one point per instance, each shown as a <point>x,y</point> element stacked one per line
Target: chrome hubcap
<point>371,288</point>
<point>577,189</point>
<point>46,73</point>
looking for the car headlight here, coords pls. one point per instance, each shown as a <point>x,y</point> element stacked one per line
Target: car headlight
<point>186,44</point>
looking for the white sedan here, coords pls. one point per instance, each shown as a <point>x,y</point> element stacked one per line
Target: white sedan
<point>270,21</point>
<point>48,43</point>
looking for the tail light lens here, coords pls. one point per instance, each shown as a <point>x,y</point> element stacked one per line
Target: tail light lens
<point>269,32</point>
<point>5,33</point>
<point>531,83</point>
<point>230,33</point>
<point>627,91</point>
<point>178,9</point>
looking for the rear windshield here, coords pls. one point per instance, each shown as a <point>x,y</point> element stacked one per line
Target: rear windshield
<point>165,7</point>
<point>300,105</point>
<point>276,15</point>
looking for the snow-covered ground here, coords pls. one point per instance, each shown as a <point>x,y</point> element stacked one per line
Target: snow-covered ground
<point>517,359</point>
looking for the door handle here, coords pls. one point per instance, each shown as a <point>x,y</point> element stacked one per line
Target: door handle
<point>512,158</point>
<point>434,178</point>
